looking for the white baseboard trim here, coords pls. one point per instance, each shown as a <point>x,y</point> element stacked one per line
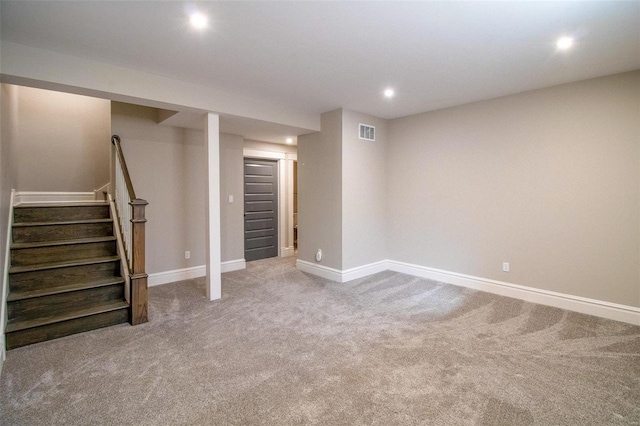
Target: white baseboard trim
<point>319,270</point>
<point>176,275</point>
<point>233,265</point>
<point>584,305</point>
<point>53,197</point>
<point>287,251</point>
<point>166,277</point>
<point>599,308</point>
<point>341,276</point>
<point>363,271</point>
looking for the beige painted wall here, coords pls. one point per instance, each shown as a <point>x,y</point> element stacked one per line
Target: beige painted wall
<point>364,191</point>
<point>320,195</point>
<point>194,187</point>
<point>167,169</point>
<point>232,183</point>
<point>547,180</point>
<point>7,182</point>
<point>61,142</point>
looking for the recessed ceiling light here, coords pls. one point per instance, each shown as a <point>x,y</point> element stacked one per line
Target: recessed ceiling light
<point>198,21</point>
<point>564,43</point>
<point>388,93</point>
<point>289,140</point>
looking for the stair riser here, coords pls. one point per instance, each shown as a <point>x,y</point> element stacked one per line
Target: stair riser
<point>63,253</point>
<point>59,214</point>
<point>36,234</point>
<point>28,281</point>
<point>53,305</point>
<point>53,331</point>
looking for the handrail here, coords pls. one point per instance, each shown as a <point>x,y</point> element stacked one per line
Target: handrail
<point>115,140</point>
<point>132,228</point>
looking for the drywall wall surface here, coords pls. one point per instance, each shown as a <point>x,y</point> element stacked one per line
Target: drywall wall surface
<point>364,191</point>
<point>194,187</point>
<point>271,147</point>
<point>231,184</point>
<point>61,141</point>
<point>158,158</point>
<point>7,181</point>
<point>320,192</point>
<point>8,125</point>
<point>546,180</point>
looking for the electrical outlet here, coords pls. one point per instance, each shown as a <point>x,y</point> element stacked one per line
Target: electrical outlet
<point>187,255</point>
<point>319,255</point>
<point>505,266</point>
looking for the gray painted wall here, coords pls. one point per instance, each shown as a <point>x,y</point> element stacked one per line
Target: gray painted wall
<point>64,137</point>
<point>167,166</point>
<point>319,192</point>
<point>232,183</point>
<point>7,172</point>
<point>364,191</point>
<point>168,170</point>
<point>7,182</point>
<point>342,193</point>
<point>547,180</point>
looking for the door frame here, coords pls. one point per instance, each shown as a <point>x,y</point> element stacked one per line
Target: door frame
<point>285,200</point>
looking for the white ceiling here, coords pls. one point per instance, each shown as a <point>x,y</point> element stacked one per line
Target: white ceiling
<point>318,56</point>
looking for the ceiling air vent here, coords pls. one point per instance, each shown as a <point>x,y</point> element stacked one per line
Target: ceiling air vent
<point>367,132</point>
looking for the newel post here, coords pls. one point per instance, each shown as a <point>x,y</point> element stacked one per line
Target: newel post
<point>139,304</point>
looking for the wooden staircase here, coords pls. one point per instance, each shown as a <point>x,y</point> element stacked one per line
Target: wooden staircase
<point>65,272</point>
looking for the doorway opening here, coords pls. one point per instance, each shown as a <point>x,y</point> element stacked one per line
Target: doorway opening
<point>260,209</point>
<point>285,174</point>
<point>295,207</point>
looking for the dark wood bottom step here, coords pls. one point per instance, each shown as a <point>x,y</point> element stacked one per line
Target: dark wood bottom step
<point>64,288</point>
<point>34,331</point>
<point>52,307</point>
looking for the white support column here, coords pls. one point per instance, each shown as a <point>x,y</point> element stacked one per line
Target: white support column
<point>212,146</point>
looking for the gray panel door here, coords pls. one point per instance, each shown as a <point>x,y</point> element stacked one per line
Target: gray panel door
<point>260,209</point>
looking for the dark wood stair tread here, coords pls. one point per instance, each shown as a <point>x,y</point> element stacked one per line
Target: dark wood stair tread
<point>65,288</point>
<point>68,222</point>
<point>65,264</point>
<point>77,204</point>
<point>18,246</point>
<point>38,322</point>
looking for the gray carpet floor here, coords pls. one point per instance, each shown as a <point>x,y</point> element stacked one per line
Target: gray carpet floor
<point>286,348</point>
